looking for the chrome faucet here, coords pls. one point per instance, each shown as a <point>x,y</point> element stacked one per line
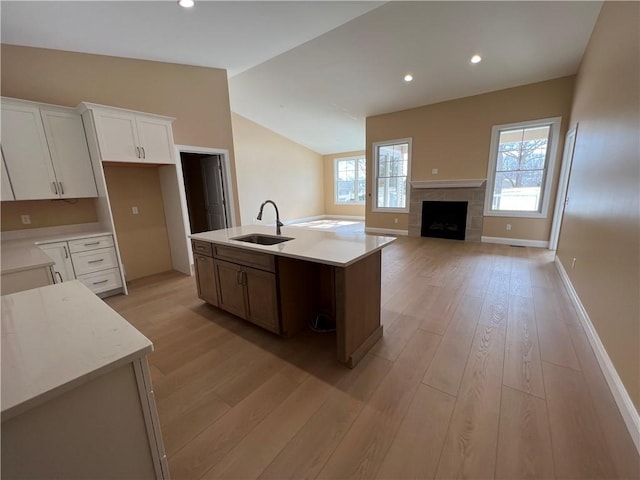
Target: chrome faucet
<point>278,222</point>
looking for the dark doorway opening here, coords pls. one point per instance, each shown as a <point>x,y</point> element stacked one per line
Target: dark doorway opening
<point>205,191</point>
<point>444,220</point>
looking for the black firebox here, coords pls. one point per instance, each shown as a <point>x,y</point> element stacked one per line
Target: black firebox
<point>444,220</point>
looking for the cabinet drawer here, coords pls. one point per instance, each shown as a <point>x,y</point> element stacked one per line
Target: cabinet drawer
<point>263,261</point>
<point>90,243</point>
<point>203,248</point>
<point>94,260</point>
<point>102,281</point>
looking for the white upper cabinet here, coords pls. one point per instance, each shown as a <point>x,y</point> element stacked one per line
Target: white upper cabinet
<point>45,151</point>
<point>26,153</point>
<point>127,136</point>
<point>69,153</point>
<point>6,190</point>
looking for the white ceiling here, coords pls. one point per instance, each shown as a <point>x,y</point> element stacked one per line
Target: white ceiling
<point>313,71</point>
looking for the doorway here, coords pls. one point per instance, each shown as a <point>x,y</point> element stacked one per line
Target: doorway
<point>206,191</point>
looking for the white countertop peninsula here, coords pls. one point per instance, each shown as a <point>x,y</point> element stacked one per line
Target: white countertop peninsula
<point>54,338</point>
<point>329,248</point>
<point>77,398</point>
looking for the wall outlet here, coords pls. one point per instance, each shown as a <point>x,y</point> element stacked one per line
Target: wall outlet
<point>508,227</point>
<point>395,220</point>
<point>573,263</point>
<point>434,171</point>
<point>26,219</point>
<point>134,210</point>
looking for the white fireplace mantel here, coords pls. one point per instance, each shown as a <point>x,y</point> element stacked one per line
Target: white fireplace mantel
<point>466,183</point>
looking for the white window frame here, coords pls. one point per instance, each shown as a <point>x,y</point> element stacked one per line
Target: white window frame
<point>335,180</point>
<point>374,180</point>
<point>550,163</point>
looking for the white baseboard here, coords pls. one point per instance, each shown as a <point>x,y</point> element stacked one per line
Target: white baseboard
<point>305,219</point>
<point>325,217</point>
<point>621,396</point>
<point>386,231</point>
<point>344,217</point>
<point>518,242</point>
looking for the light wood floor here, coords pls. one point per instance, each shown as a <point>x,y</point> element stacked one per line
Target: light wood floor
<point>484,371</point>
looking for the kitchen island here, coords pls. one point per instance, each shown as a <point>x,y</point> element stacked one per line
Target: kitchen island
<point>282,287</point>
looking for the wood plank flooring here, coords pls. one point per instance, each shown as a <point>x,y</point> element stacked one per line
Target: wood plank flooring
<point>483,372</point>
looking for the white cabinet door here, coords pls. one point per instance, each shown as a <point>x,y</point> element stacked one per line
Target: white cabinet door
<point>6,190</point>
<point>117,136</point>
<point>69,153</point>
<point>26,152</point>
<point>59,253</point>
<point>156,140</point>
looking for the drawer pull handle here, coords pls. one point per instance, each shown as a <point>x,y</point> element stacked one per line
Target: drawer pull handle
<point>101,281</point>
<point>55,188</point>
<point>92,243</point>
<point>61,188</point>
<point>66,255</point>
<point>96,261</point>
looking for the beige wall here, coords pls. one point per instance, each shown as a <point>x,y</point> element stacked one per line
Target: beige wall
<point>197,97</point>
<point>601,226</point>
<point>47,213</point>
<point>330,206</point>
<point>270,166</point>
<point>455,136</point>
<point>143,241</point>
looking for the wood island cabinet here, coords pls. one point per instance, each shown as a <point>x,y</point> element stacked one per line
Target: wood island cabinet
<point>283,288</point>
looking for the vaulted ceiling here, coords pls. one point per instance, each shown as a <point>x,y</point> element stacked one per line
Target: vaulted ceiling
<point>313,71</point>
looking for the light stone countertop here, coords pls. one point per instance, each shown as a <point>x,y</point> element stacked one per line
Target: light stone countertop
<point>24,254</point>
<point>57,337</point>
<point>330,248</point>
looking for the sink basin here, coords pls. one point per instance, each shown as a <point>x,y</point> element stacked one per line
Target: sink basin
<point>262,239</point>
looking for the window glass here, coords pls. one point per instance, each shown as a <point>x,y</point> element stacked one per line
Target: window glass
<point>522,154</point>
<point>392,161</point>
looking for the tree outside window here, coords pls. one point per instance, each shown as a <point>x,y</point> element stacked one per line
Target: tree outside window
<point>521,156</point>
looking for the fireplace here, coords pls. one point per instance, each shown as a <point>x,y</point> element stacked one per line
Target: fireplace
<point>472,192</point>
<point>444,220</point>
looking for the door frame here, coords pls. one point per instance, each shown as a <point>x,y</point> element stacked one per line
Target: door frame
<point>228,186</point>
<point>563,186</point>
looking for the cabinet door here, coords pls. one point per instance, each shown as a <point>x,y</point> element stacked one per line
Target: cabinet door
<point>156,140</point>
<point>206,279</point>
<point>230,287</point>
<point>59,253</point>
<point>117,136</point>
<point>6,190</point>
<point>69,153</point>
<point>262,298</point>
<point>26,152</point>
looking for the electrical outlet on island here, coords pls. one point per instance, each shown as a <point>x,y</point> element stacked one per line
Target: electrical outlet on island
<point>26,219</point>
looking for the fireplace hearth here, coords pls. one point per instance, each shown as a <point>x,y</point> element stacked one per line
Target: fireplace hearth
<point>444,219</point>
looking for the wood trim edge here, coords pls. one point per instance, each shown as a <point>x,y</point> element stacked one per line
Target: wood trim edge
<point>364,348</point>
<point>621,396</point>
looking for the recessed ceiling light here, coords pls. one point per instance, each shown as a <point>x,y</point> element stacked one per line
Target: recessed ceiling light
<point>408,77</point>
<point>186,3</point>
<point>476,59</point>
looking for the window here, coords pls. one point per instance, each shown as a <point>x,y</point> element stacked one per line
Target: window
<point>392,163</point>
<point>521,161</point>
<point>351,180</point>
